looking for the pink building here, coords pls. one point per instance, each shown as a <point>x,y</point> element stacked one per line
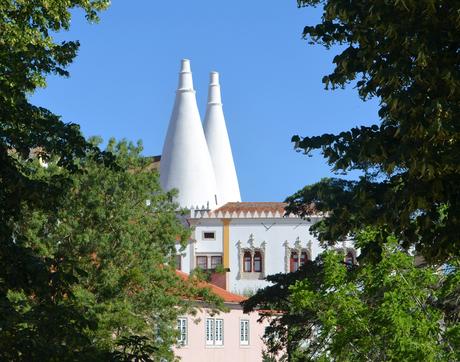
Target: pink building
<point>232,336</point>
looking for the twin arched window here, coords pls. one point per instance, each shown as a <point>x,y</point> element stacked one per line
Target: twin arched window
<point>252,263</point>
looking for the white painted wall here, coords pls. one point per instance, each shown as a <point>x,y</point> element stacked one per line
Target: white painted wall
<point>276,234</point>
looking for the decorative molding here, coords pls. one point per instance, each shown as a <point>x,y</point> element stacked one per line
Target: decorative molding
<point>298,248</point>
<point>287,256</point>
<point>297,243</point>
<point>251,246</point>
<point>240,259</point>
<point>202,212</point>
<point>251,243</point>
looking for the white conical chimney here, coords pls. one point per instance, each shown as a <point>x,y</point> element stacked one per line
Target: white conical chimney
<point>216,134</point>
<point>185,162</point>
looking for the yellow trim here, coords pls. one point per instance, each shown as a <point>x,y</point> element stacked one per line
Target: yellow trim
<point>226,242</point>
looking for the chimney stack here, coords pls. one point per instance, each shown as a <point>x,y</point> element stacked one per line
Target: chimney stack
<point>219,147</point>
<point>185,161</point>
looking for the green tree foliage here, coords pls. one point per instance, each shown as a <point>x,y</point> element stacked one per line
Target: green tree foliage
<point>111,241</point>
<point>388,311</point>
<point>83,270</point>
<point>28,54</point>
<point>405,53</point>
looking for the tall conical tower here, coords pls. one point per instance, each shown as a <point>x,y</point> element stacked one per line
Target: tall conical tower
<point>185,161</point>
<point>216,134</point>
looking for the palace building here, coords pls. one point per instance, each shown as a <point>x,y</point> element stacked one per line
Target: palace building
<point>237,242</point>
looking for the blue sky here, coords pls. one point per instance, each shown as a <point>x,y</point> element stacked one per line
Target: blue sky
<point>123,81</point>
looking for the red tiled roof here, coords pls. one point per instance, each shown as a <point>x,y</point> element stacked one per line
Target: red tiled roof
<point>252,207</point>
<point>224,294</point>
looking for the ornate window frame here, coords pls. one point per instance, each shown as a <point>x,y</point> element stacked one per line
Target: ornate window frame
<point>297,248</point>
<point>252,249</point>
<point>348,251</point>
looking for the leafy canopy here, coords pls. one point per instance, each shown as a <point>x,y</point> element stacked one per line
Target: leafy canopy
<point>113,242</point>
<point>83,259</point>
<point>28,53</point>
<point>391,310</point>
<point>406,54</point>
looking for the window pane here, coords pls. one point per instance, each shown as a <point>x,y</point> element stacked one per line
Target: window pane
<point>303,258</point>
<point>215,261</point>
<point>182,327</point>
<point>244,332</point>
<point>209,235</point>
<point>247,262</point>
<point>209,331</point>
<point>219,332</point>
<point>257,261</point>
<point>202,262</point>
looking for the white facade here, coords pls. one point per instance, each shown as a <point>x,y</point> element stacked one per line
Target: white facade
<point>247,232</point>
<point>216,134</point>
<point>185,162</point>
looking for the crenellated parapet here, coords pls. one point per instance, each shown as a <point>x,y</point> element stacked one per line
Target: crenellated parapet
<point>246,210</point>
<point>197,213</point>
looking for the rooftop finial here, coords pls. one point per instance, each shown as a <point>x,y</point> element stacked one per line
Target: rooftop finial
<point>214,96</point>
<point>185,66</point>
<point>185,77</point>
<point>214,78</point>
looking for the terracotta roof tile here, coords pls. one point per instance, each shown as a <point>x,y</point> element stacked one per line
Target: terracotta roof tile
<point>253,207</point>
<point>224,294</point>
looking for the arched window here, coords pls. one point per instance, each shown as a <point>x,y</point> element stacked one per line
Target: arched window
<point>257,262</point>
<point>247,262</point>
<point>294,261</point>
